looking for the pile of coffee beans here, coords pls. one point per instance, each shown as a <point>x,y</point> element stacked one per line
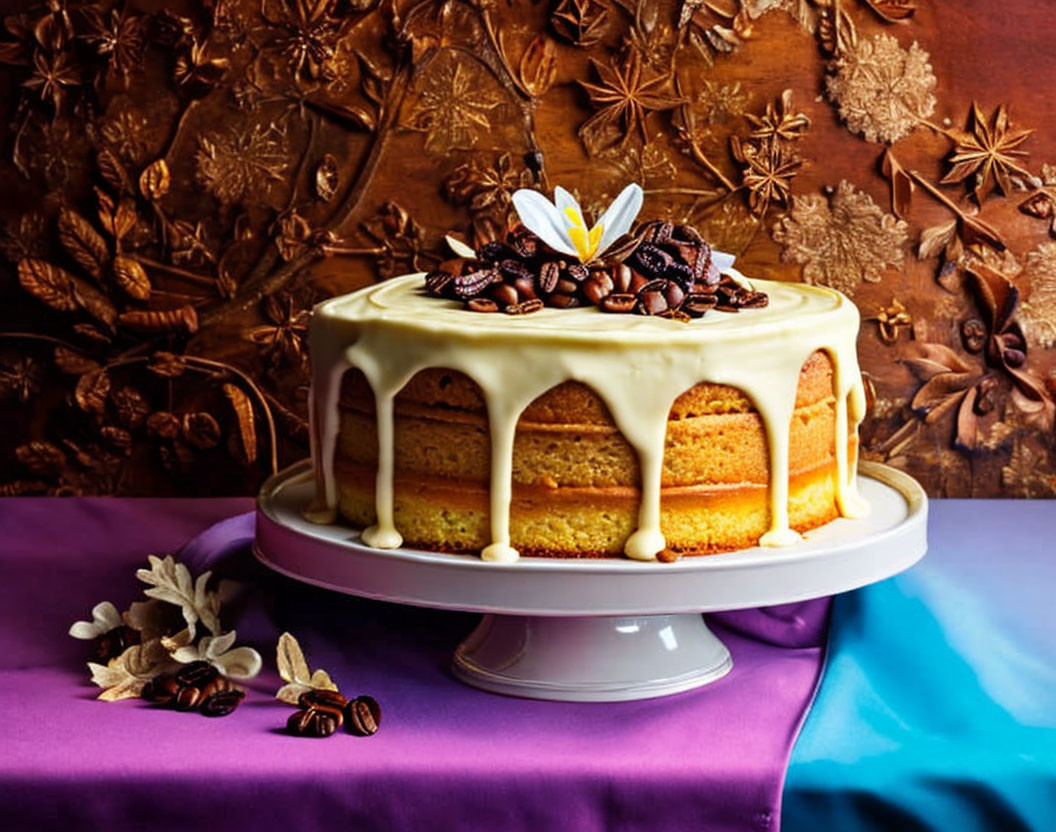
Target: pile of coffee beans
<point>197,686</point>
<point>322,712</point>
<point>663,269</point>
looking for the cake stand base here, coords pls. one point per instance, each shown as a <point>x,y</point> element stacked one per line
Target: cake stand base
<point>596,630</point>
<point>606,659</point>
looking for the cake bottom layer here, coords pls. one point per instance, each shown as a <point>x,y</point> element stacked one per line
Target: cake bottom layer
<point>453,516</point>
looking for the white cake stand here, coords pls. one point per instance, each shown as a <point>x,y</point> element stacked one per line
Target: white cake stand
<point>596,630</point>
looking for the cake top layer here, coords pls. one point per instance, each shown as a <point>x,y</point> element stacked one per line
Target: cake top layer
<point>403,303</point>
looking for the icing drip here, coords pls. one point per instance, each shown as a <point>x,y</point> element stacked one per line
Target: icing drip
<point>637,365</point>
<point>502,420</point>
<point>383,534</point>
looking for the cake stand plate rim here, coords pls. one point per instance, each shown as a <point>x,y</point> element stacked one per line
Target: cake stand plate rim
<point>858,553</point>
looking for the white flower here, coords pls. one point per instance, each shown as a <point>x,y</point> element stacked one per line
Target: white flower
<point>239,663</point>
<point>105,618</point>
<point>561,226</point>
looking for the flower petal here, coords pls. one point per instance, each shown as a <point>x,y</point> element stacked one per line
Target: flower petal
<point>217,646</point>
<point>106,615</point>
<point>564,200</point>
<point>459,248</point>
<point>240,663</point>
<point>619,216</point>
<point>85,630</point>
<point>738,277</point>
<point>723,261</point>
<point>541,217</point>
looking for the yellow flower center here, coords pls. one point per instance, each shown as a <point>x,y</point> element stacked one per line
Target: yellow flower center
<point>586,242</point>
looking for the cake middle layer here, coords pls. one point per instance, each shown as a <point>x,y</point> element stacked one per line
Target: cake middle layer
<point>576,480</point>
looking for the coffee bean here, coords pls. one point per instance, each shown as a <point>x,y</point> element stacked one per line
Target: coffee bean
<point>674,294</point>
<point>482,305</point>
<point>323,698</point>
<point>217,685</point>
<point>577,272</point>
<point>637,282</point>
<point>161,690</point>
<point>525,307</point>
<point>755,300</point>
<point>494,251</point>
<point>566,286</point>
<point>725,307</point>
<point>563,301</point>
<point>503,294</point>
<point>619,302</point>
<point>437,283</point>
<point>549,273</point>
<point>650,260</point>
<point>222,702</point>
<point>514,268</point>
<point>695,305</point>
<point>680,273</point>
<point>620,250</point>
<point>196,673</point>
<point>597,289</point>
<point>188,698</point>
<point>525,243</point>
<point>651,303</point>
<point>470,285</point>
<point>621,277</point>
<point>525,287</point>
<point>363,716</point>
<point>314,722</point>
<point>656,285</point>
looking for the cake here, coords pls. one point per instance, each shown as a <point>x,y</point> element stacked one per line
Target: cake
<point>717,413</point>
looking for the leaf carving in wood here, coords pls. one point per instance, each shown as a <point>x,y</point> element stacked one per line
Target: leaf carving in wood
<point>245,446</point>
<point>83,243</point>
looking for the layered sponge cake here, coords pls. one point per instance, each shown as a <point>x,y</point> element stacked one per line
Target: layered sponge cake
<point>575,478</point>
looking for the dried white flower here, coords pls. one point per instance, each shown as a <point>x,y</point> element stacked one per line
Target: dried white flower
<point>105,618</point>
<point>293,668</point>
<point>172,582</point>
<point>235,663</point>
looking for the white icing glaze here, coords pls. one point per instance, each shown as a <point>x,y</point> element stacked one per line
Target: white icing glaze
<point>637,364</point>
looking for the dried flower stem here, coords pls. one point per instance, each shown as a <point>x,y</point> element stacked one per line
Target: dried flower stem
<point>190,277</point>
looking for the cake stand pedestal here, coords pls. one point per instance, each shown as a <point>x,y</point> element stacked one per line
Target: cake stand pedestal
<point>596,630</point>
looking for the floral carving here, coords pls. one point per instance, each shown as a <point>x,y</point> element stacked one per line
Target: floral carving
<point>455,107</point>
<point>237,164</point>
<point>1038,312</point>
<point>841,240</point>
<point>882,91</point>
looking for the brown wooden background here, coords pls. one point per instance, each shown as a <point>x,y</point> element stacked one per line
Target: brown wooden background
<point>182,181</point>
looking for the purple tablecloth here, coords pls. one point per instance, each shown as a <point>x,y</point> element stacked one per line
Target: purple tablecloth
<point>447,757</point>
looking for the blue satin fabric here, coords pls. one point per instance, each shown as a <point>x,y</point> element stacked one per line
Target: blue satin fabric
<point>937,705</point>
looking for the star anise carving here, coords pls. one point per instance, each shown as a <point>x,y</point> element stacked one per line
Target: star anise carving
<point>311,32</point>
<point>779,121</point>
<point>626,95</point>
<point>52,75</point>
<point>767,173</point>
<point>985,155</point>
<point>119,39</point>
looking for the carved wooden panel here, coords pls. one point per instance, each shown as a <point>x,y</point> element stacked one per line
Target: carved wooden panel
<point>182,182</point>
